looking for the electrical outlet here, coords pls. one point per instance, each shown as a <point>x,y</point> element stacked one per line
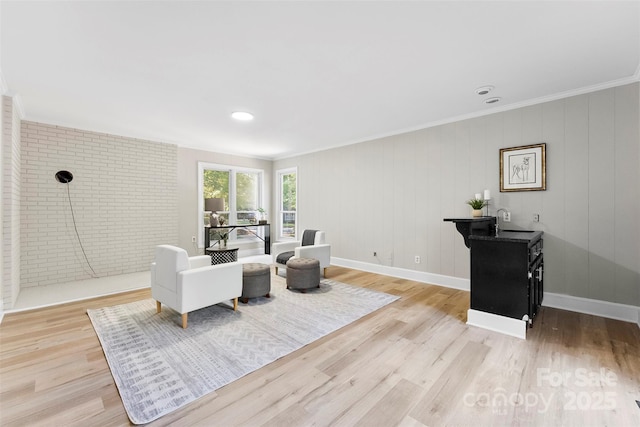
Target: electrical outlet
<point>506,216</point>
<point>536,217</point>
<point>417,259</point>
<point>193,239</point>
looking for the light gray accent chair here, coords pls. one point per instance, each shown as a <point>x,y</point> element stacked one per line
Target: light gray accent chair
<point>187,284</point>
<point>312,245</point>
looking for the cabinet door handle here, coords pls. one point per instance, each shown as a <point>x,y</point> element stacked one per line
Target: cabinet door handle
<point>540,274</point>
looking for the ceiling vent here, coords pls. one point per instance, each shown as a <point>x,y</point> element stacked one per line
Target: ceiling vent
<point>484,90</point>
<point>492,100</point>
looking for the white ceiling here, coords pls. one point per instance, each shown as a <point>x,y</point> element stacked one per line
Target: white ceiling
<point>315,74</point>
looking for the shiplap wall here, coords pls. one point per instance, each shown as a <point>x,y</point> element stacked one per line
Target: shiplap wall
<point>11,177</point>
<point>124,197</point>
<point>390,195</point>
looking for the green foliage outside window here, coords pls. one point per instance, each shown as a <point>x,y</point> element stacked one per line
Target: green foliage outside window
<point>289,204</point>
<point>216,185</point>
<point>246,191</point>
<point>289,192</point>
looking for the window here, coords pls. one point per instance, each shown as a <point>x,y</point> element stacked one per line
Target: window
<point>287,202</point>
<point>241,190</point>
<point>247,196</point>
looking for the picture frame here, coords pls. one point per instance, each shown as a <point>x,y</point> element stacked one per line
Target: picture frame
<point>523,168</point>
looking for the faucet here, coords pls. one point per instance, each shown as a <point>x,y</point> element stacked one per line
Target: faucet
<point>498,219</point>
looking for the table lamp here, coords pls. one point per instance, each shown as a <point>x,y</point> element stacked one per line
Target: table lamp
<point>213,205</point>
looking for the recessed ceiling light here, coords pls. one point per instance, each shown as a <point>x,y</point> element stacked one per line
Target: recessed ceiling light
<point>484,90</point>
<point>492,100</point>
<point>242,115</point>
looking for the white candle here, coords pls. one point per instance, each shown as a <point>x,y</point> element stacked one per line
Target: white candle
<point>487,195</point>
<point>477,196</point>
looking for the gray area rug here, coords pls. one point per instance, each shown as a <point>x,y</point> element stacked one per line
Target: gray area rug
<point>159,367</point>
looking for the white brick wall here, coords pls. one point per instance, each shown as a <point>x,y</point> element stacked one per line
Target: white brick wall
<point>124,197</point>
<point>10,203</point>
<point>2,142</point>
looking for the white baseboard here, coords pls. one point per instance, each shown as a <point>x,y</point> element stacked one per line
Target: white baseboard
<point>611,310</point>
<point>403,273</point>
<point>493,322</point>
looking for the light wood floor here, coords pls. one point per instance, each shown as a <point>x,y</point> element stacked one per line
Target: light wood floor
<point>413,363</point>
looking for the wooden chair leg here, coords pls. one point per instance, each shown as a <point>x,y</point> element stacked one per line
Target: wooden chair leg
<point>158,306</point>
<point>235,304</point>
<point>184,320</point>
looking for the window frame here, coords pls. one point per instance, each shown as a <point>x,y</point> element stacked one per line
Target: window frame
<point>233,170</point>
<point>279,212</point>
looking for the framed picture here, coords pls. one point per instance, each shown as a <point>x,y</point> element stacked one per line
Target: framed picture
<point>523,168</point>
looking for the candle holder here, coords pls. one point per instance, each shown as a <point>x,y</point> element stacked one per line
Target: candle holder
<point>487,200</point>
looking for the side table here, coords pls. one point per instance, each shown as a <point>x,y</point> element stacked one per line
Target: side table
<point>222,255</point>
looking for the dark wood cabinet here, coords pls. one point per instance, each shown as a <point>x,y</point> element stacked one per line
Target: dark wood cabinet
<point>507,273</point>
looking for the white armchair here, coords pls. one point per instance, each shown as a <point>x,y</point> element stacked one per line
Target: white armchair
<point>187,284</point>
<point>312,245</point>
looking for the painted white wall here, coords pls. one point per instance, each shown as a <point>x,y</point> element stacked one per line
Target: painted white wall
<point>11,194</point>
<point>390,195</point>
<point>123,196</point>
<point>2,248</point>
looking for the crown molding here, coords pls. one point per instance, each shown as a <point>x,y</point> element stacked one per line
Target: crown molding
<point>508,107</point>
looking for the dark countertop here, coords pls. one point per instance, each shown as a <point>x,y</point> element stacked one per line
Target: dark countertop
<point>480,225</point>
<point>511,236</point>
<point>471,219</point>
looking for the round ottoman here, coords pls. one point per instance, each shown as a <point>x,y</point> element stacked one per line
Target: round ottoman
<point>303,273</point>
<point>256,281</point>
